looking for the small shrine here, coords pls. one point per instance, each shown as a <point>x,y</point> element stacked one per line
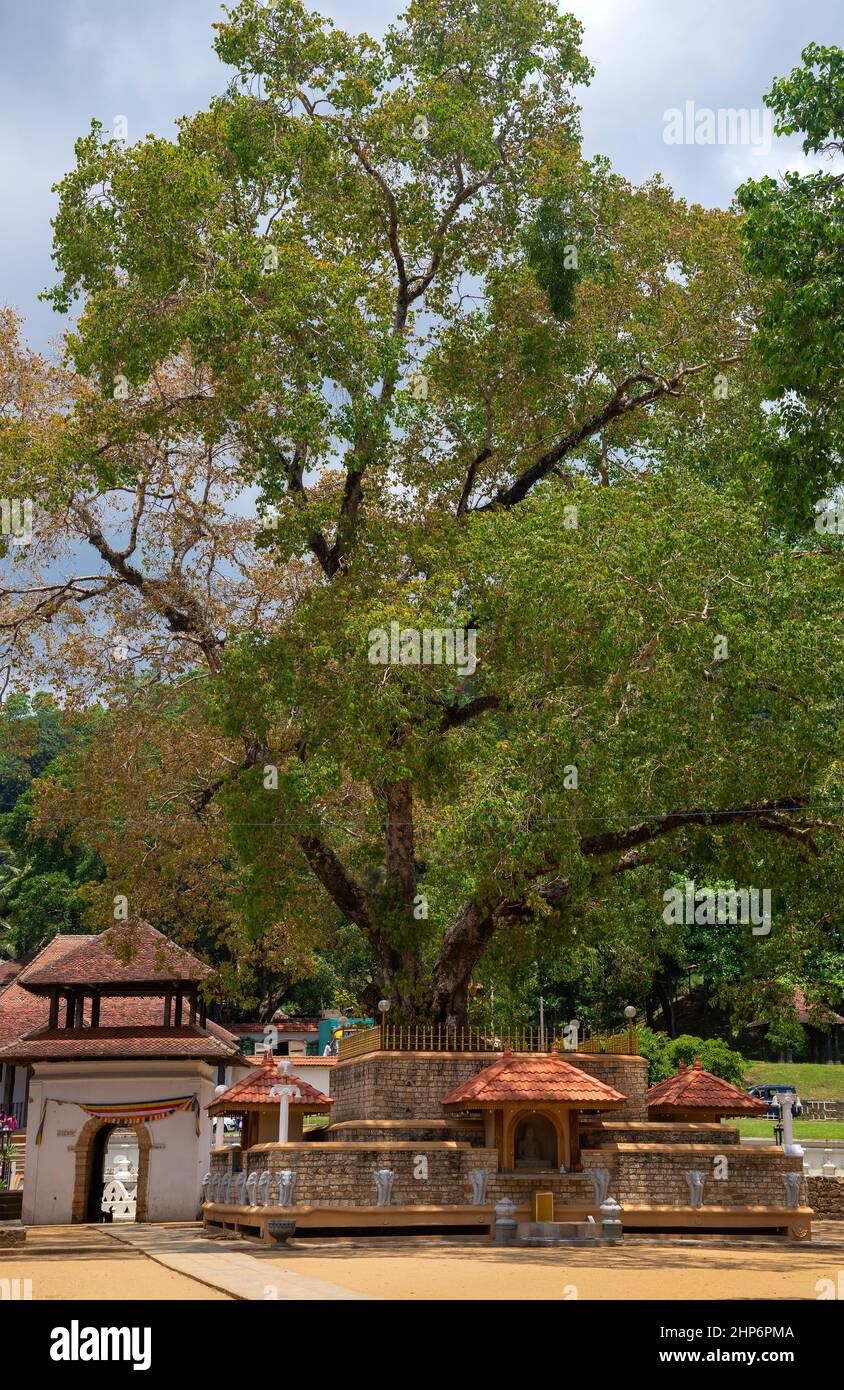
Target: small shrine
<point>531,1106</point>
<point>271,1102</point>
<point>694,1094</point>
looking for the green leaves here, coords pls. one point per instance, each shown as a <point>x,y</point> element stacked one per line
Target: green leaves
<point>792,239</point>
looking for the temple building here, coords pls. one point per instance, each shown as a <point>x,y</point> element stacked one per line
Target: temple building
<point>114,1035</point>
<point>432,1133</point>
<point>531,1105</point>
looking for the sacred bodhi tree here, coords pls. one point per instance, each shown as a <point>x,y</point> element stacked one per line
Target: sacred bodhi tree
<point>371,364</point>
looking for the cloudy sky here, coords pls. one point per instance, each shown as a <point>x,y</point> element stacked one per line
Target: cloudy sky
<point>65,61</point>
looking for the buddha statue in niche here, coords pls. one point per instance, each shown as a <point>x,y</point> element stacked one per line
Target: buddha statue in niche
<point>535,1144</point>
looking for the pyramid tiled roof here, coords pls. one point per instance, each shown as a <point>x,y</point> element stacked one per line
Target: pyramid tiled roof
<point>692,1088</point>
<point>21,1011</point>
<point>68,1044</point>
<point>254,1089</point>
<point>130,1026</point>
<point>129,953</point>
<point>534,1077</point>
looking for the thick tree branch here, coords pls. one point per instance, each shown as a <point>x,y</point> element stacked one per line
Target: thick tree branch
<point>620,841</point>
<point>620,403</point>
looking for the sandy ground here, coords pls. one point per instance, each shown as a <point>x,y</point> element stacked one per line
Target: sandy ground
<point>84,1263</point>
<point>651,1271</point>
<point>78,1262</point>
<point>63,1277</point>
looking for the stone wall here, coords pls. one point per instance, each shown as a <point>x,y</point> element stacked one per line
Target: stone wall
<point>226,1160</point>
<point>653,1174</point>
<point>654,1132</point>
<point>826,1196</point>
<point>413,1132</point>
<point>412,1085</point>
<point>344,1174</point>
<point>629,1075</point>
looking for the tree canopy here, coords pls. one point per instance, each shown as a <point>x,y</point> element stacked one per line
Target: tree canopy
<point>369,352</point>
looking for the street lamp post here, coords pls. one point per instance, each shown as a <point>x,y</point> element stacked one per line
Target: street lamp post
<point>383,1009</point>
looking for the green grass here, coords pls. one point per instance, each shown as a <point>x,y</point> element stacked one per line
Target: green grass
<point>814,1080</point>
<point>803,1129</point>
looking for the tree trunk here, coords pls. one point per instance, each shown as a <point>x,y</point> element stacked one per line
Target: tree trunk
<point>463,945</point>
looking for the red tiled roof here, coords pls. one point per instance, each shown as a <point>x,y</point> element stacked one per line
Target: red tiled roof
<point>22,1013</point>
<point>254,1089</point>
<point>281,1025</point>
<point>314,1061</point>
<point>535,1077</point>
<point>820,1016</point>
<point>63,1044</point>
<point>129,953</point>
<point>8,970</point>
<point>692,1088</point>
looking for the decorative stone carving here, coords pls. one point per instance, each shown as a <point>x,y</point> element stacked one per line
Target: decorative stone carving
<point>791,1183</point>
<point>600,1180</point>
<point>240,1188</point>
<point>505,1222</point>
<point>611,1227</point>
<point>384,1186</point>
<point>251,1188</point>
<point>478,1177</point>
<point>226,1189</point>
<point>694,1182</point>
<point>286,1185</point>
<point>264,1188</point>
<point>206,1188</point>
<point>117,1200</point>
<point>281,1231</point>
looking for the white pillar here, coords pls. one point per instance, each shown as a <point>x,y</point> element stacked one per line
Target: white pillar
<point>284,1093</point>
<point>788,1144</point>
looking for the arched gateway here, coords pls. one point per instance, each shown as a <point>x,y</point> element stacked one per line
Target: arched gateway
<point>90,1175</point>
<point>126,1047</point>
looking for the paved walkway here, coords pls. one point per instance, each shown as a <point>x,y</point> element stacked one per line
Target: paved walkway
<point>241,1268</point>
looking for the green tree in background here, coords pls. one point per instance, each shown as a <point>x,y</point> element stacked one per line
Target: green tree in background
<point>792,235</point>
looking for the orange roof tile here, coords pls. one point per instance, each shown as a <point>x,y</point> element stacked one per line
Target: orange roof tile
<point>68,1044</point>
<point>535,1077</point>
<point>255,1087</point>
<point>8,970</point>
<point>21,1011</point>
<point>129,953</point>
<point>692,1088</point>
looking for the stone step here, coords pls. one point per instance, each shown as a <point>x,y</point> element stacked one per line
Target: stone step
<point>557,1232</point>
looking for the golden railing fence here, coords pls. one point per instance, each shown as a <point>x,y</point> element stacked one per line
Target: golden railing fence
<point>438,1037</point>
